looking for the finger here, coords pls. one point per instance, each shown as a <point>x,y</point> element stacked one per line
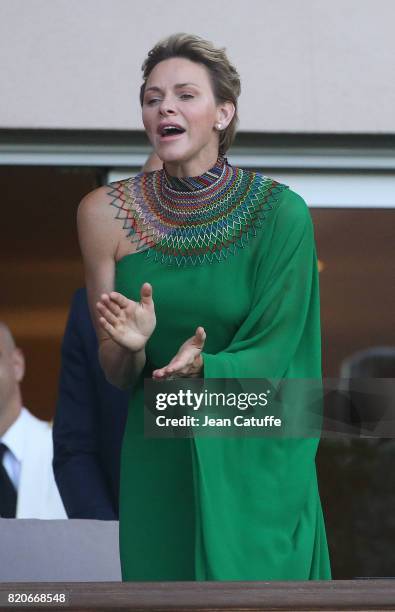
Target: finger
<point>106,326</point>
<point>119,299</point>
<point>111,306</point>
<point>179,369</point>
<point>158,373</point>
<point>165,371</point>
<point>177,362</point>
<point>146,294</point>
<point>200,336</point>
<point>105,300</point>
<point>175,366</point>
<point>106,313</point>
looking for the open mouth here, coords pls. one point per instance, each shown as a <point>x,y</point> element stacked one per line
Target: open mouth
<point>171,132</point>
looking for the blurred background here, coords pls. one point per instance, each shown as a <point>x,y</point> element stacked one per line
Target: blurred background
<point>316,112</point>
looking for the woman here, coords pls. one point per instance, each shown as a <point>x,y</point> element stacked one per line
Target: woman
<point>229,255</point>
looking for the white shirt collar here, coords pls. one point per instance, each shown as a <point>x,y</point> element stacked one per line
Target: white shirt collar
<point>15,436</point>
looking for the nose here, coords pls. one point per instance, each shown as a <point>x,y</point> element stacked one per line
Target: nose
<point>166,107</point>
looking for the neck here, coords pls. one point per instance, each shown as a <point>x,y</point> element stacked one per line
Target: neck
<point>9,414</point>
<point>195,184</point>
<point>191,167</point>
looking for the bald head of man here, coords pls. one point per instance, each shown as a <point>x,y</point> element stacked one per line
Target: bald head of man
<point>12,370</point>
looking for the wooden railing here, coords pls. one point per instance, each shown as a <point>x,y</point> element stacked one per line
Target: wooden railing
<point>370,594</point>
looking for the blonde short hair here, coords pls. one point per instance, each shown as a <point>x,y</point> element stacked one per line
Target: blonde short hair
<point>224,77</point>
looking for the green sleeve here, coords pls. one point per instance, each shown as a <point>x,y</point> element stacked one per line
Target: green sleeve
<point>258,509</point>
<point>281,335</point>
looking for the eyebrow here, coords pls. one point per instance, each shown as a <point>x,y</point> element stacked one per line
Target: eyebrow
<point>177,86</point>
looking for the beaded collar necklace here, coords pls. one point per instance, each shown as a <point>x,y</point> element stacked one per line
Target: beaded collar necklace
<point>193,220</point>
<point>195,183</point>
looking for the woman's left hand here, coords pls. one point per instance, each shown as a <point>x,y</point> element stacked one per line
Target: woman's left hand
<point>188,362</point>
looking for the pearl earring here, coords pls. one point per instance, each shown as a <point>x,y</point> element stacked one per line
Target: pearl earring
<point>219,126</point>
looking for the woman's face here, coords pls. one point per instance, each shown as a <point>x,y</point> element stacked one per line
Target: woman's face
<point>178,91</point>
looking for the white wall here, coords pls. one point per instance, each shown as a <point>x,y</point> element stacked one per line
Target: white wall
<point>306,65</point>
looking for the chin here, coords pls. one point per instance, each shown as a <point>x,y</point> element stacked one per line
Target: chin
<point>167,155</point>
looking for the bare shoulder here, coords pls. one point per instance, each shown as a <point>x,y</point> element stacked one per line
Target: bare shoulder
<point>95,204</point>
<point>100,209</point>
<point>112,201</point>
<point>97,231</point>
<point>103,217</point>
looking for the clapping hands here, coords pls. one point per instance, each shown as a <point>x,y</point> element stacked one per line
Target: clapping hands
<point>131,324</point>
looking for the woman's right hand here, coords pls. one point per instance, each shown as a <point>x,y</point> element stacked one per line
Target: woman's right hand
<point>128,323</point>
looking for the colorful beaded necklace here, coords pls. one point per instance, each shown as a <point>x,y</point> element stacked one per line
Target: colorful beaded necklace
<point>194,220</point>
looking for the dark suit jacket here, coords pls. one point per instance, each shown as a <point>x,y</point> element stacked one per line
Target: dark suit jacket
<point>89,423</point>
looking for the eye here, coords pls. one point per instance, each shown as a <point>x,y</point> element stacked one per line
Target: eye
<point>186,96</point>
<point>152,100</point>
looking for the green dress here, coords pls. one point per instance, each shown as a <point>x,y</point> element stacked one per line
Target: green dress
<point>232,251</point>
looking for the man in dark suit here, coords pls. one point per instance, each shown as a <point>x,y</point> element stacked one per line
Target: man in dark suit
<point>89,423</point>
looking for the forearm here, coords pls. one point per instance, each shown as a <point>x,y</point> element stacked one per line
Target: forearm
<point>121,366</point>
